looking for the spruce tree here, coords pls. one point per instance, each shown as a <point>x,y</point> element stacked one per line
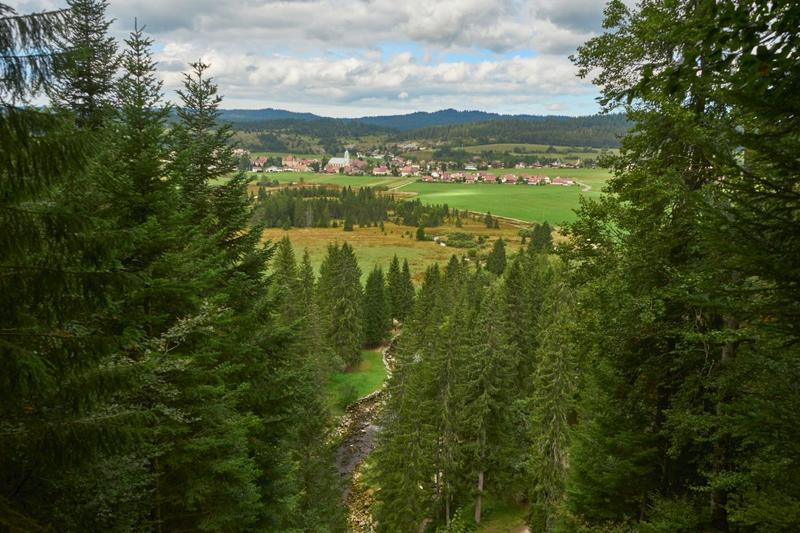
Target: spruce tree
<point>542,239</point>
<point>287,293</point>
<point>89,64</point>
<point>62,364</point>
<point>496,260</point>
<point>555,382</point>
<point>340,296</point>
<point>394,289</point>
<point>488,391</point>
<point>408,293</point>
<point>375,309</point>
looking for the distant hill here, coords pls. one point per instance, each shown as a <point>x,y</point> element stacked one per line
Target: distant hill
<point>445,117</point>
<point>597,131</point>
<point>237,116</point>
<point>410,121</point>
<point>280,130</point>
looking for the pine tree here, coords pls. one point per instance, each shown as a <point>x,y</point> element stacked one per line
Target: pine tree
<point>340,296</point>
<point>61,363</point>
<point>194,165</point>
<point>375,309</point>
<point>552,408</point>
<point>542,238</point>
<point>221,264</point>
<point>496,260</point>
<point>408,293</point>
<point>286,289</point>
<point>394,289</point>
<point>676,326</point>
<point>86,81</point>
<point>487,394</point>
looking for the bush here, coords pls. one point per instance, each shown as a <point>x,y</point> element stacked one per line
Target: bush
<point>461,240</point>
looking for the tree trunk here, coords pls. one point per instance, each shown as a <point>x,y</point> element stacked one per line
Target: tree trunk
<point>447,509</point>
<point>479,498</point>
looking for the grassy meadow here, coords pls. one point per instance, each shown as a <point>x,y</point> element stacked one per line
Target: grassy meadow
<point>373,247</point>
<point>346,387</point>
<point>553,204</point>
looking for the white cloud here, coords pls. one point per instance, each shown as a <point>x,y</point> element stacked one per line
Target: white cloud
<point>511,54</point>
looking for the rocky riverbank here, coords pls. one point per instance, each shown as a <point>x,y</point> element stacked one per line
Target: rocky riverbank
<point>357,431</point>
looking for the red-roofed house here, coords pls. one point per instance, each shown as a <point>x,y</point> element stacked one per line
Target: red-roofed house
<point>489,178</point>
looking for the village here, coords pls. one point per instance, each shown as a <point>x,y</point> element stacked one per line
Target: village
<point>424,171</point>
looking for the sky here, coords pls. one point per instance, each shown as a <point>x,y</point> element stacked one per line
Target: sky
<point>347,58</point>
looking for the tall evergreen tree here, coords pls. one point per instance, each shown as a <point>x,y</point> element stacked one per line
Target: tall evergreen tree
<point>408,294</point>
<point>496,260</point>
<point>89,64</point>
<point>340,296</point>
<point>488,391</point>
<point>555,382</point>
<point>394,288</point>
<point>61,363</point>
<point>375,309</point>
<point>676,324</point>
<point>542,238</point>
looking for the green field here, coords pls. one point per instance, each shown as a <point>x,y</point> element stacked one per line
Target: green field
<point>541,150</point>
<point>336,179</point>
<point>346,387</point>
<point>550,203</point>
<point>535,204</point>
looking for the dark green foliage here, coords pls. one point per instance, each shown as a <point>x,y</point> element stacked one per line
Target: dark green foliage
<point>600,131</point>
<point>400,290</point>
<point>496,260</point>
<point>420,234</point>
<point>88,64</point>
<point>340,298</point>
<point>674,268</point>
<point>541,238</point>
<point>149,380</point>
<point>407,293</point>
<point>62,365</point>
<point>376,309</point>
<point>453,408</point>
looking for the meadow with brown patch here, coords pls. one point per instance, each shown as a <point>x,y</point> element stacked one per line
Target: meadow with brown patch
<point>375,247</point>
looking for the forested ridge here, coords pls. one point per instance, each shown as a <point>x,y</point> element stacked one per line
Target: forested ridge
<point>163,369</point>
<point>600,131</point>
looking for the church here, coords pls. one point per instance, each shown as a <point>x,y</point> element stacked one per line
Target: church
<point>335,163</point>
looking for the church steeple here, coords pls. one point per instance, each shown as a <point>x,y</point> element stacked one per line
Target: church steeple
<point>347,157</point>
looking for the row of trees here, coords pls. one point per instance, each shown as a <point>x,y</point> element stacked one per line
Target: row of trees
<point>322,206</point>
<point>646,378</point>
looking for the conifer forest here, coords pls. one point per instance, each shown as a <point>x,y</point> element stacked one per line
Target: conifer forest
<point>164,368</point>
